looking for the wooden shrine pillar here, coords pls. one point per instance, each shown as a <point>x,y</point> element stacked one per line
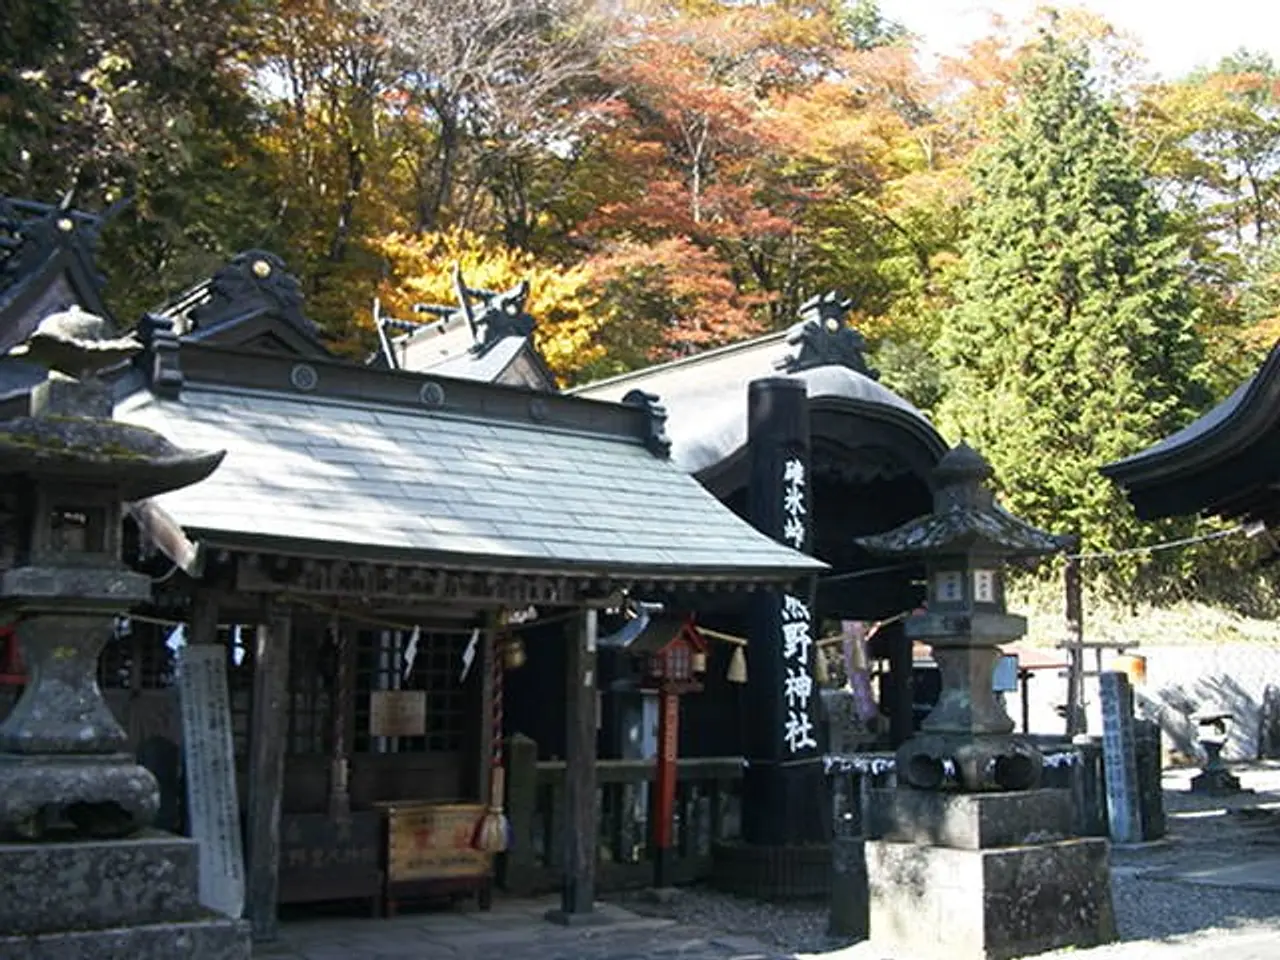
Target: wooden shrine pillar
<point>268,733</point>
<point>577,899</point>
<point>342,716</point>
<point>783,786</point>
<point>488,660</point>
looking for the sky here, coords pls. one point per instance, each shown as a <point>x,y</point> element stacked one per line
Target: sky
<point>1176,35</point>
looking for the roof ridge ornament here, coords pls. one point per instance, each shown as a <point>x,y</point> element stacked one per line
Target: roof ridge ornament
<point>31,232</point>
<point>823,339</point>
<point>160,361</point>
<point>656,440</point>
<point>501,314</point>
<point>253,275</point>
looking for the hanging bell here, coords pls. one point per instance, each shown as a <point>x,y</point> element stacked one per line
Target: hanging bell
<point>737,666</point>
<point>699,663</point>
<point>513,655</point>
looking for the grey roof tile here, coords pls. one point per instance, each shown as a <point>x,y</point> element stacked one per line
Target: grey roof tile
<point>342,477</point>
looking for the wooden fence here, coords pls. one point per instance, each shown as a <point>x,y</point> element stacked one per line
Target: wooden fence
<point>708,810</point>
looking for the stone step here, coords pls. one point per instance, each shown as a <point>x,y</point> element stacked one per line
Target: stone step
<point>209,939</point>
<point>95,885</point>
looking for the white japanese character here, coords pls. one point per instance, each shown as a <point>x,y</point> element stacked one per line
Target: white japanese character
<point>796,641</point>
<point>793,472</point>
<point>793,532</point>
<point>793,502</point>
<point>799,731</point>
<point>793,608</point>
<point>798,688</point>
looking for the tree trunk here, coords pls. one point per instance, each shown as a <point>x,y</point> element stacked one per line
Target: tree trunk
<point>346,209</point>
<point>430,207</point>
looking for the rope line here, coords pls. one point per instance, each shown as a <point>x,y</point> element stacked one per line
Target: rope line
<point>360,619</point>
<point>1157,547</point>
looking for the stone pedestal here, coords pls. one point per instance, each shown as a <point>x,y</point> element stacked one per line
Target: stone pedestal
<point>130,899</point>
<point>983,876</point>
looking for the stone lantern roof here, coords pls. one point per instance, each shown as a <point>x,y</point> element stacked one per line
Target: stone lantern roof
<point>965,518</point>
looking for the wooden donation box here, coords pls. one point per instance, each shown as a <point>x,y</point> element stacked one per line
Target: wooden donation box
<point>330,858</point>
<point>429,852</point>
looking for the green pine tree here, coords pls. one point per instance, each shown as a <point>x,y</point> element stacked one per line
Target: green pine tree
<point>1073,340</point>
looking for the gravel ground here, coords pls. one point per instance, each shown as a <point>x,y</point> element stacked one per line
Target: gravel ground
<point>1150,907</point>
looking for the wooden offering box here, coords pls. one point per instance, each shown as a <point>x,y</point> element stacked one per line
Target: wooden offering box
<point>323,858</point>
<point>429,853</point>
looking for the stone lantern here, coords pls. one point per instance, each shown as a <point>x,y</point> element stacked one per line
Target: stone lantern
<point>71,468</point>
<point>74,800</point>
<point>969,858</point>
<point>966,741</point>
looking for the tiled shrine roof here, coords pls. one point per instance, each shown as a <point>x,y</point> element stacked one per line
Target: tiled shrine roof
<point>331,459</point>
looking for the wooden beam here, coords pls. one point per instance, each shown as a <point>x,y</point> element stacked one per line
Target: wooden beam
<point>665,784</point>
<point>580,830</point>
<point>203,624</point>
<point>902,682</point>
<point>268,733</point>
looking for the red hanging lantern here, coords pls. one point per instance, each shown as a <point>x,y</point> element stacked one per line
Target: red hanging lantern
<point>677,666</point>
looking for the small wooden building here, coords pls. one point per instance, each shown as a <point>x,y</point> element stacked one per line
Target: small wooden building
<point>372,540</point>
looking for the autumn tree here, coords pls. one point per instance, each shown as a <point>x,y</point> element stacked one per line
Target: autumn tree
<point>325,80</point>
<point>1073,342</point>
<point>756,141</point>
<point>489,74</point>
<point>139,101</point>
<point>561,299</point>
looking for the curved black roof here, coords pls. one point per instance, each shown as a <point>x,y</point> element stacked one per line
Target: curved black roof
<point>1223,463</point>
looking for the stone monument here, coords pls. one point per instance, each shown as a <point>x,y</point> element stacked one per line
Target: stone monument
<point>81,875</point>
<point>968,857</point>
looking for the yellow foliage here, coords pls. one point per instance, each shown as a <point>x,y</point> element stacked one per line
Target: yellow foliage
<point>560,298</point>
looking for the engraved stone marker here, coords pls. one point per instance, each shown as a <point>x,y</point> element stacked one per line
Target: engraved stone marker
<point>1119,759</point>
<point>209,756</point>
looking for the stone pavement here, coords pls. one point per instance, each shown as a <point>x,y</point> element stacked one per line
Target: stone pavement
<point>1209,892</point>
<point>1256,943</point>
<point>516,930</point>
<point>512,930</point>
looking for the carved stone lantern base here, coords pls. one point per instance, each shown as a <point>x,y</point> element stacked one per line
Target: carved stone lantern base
<point>967,741</point>
<point>101,797</point>
<point>983,876</point>
<point>976,764</point>
<point>62,753</point>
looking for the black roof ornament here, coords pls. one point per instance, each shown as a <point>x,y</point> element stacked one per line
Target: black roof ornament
<point>160,360</point>
<point>31,231</point>
<point>823,339</point>
<point>249,276</point>
<point>500,314</point>
<point>656,440</point>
